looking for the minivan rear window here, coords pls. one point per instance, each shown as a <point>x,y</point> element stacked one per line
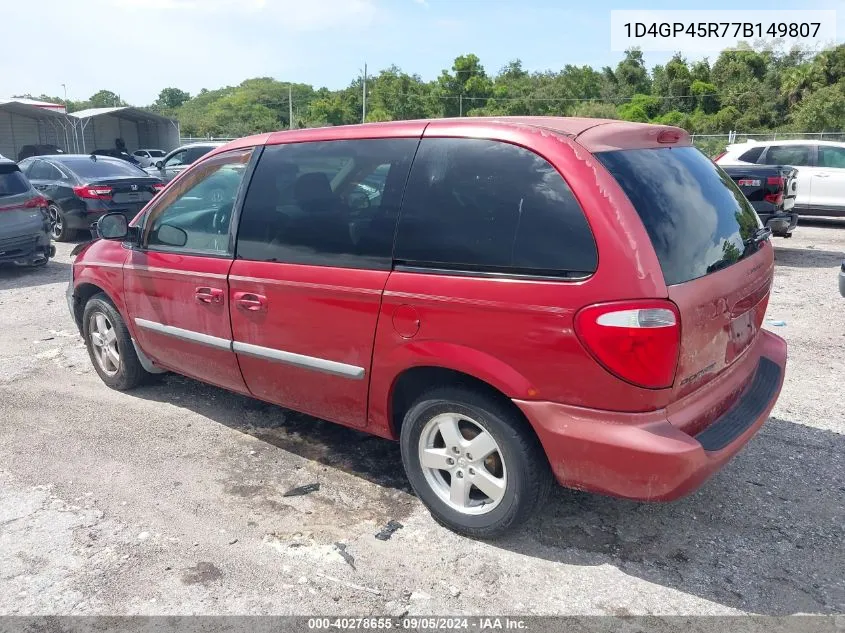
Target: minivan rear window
<point>12,181</point>
<point>697,218</point>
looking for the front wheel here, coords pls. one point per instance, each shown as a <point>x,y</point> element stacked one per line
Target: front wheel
<point>110,345</point>
<point>473,461</point>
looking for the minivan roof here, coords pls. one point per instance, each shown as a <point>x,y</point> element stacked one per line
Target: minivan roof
<point>596,135</point>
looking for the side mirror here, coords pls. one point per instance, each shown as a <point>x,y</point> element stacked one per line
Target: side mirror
<point>169,235</point>
<point>113,226</point>
<point>159,165</point>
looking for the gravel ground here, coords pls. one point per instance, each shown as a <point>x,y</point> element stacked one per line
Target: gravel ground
<point>168,500</point>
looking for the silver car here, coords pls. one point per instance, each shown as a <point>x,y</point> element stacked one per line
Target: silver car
<point>148,157</point>
<point>179,159</point>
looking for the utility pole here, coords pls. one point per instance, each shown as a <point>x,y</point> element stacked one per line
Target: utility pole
<point>461,105</point>
<point>364,110</point>
<point>290,107</point>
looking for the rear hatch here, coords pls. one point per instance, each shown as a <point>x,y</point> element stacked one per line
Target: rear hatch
<point>717,266</point>
<point>20,206</point>
<point>129,192</point>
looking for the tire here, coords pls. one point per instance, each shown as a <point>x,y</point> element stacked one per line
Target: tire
<point>124,371</point>
<point>517,467</point>
<point>59,230</point>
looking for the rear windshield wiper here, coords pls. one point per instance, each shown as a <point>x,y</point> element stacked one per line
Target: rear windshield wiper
<point>759,235</point>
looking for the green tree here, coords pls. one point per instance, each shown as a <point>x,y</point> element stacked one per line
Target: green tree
<point>171,98</point>
<point>823,110</point>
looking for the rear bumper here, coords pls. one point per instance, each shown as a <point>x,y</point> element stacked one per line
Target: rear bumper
<point>81,220</point>
<point>26,249</point>
<point>646,456</point>
<point>782,224</point>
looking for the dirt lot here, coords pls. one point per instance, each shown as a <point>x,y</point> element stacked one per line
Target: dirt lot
<point>169,499</point>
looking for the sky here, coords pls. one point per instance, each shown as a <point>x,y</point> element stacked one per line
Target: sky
<point>137,47</point>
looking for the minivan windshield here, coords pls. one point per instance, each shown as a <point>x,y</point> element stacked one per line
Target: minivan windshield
<point>697,218</point>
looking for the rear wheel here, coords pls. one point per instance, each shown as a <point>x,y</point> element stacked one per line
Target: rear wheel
<point>58,224</point>
<point>476,465</point>
<point>110,346</point>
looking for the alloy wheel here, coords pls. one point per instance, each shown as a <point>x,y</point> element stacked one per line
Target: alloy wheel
<point>104,343</point>
<point>462,463</point>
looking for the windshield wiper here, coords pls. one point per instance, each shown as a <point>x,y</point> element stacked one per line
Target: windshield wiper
<point>759,235</point>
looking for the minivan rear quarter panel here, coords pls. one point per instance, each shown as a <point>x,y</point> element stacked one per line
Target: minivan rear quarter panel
<point>515,333</point>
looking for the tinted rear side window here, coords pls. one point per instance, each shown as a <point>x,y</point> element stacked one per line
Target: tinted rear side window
<point>12,181</point>
<point>788,155</point>
<point>752,155</point>
<point>697,218</point>
<point>479,205</point>
<point>102,168</point>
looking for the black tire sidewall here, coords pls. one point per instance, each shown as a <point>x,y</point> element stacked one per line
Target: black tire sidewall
<point>120,380</point>
<point>515,463</point>
<point>65,234</point>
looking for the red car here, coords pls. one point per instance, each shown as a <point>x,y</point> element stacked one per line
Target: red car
<point>516,300</point>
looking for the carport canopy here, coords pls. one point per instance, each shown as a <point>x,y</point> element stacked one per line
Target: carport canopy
<point>25,124</point>
<point>97,128</point>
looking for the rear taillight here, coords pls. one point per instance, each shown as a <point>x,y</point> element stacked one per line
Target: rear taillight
<point>39,202</point>
<point>638,341</point>
<point>157,187</point>
<point>93,192</point>
<point>775,198</point>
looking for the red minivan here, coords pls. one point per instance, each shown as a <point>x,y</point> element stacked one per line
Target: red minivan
<point>516,300</point>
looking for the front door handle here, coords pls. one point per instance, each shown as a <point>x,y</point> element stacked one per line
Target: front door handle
<point>822,175</point>
<point>250,301</point>
<point>209,295</point>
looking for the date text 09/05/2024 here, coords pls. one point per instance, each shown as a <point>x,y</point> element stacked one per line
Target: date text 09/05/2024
<point>730,30</point>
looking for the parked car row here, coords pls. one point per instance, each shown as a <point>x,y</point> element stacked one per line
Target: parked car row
<point>820,179</point>
<point>515,300</point>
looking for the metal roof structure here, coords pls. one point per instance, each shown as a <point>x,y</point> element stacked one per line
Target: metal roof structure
<point>99,128</point>
<point>22,123</point>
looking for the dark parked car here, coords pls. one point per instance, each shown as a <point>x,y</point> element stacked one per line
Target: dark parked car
<point>180,159</point>
<point>771,190</point>
<point>38,150</point>
<point>24,224</point>
<point>525,299</point>
<point>116,153</point>
<point>80,188</point>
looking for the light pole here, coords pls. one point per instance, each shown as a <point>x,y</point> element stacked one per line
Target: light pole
<point>65,89</point>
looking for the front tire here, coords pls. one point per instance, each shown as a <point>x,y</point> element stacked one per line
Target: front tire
<point>473,461</point>
<point>110,345</point>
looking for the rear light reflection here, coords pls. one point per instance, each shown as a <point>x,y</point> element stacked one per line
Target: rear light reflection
<point>157,187</point>
<point>92,192</point>
<point>638,341</point>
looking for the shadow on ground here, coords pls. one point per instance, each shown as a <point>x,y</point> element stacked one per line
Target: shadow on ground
<point>807,257</point>
<point>28,277</point>
<point>764,536</point>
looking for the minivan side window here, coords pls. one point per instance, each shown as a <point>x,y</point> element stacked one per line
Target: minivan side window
<point>476,205</point>
<point>797,155</point>
<point>327,203</point>
<point>194,215</point>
